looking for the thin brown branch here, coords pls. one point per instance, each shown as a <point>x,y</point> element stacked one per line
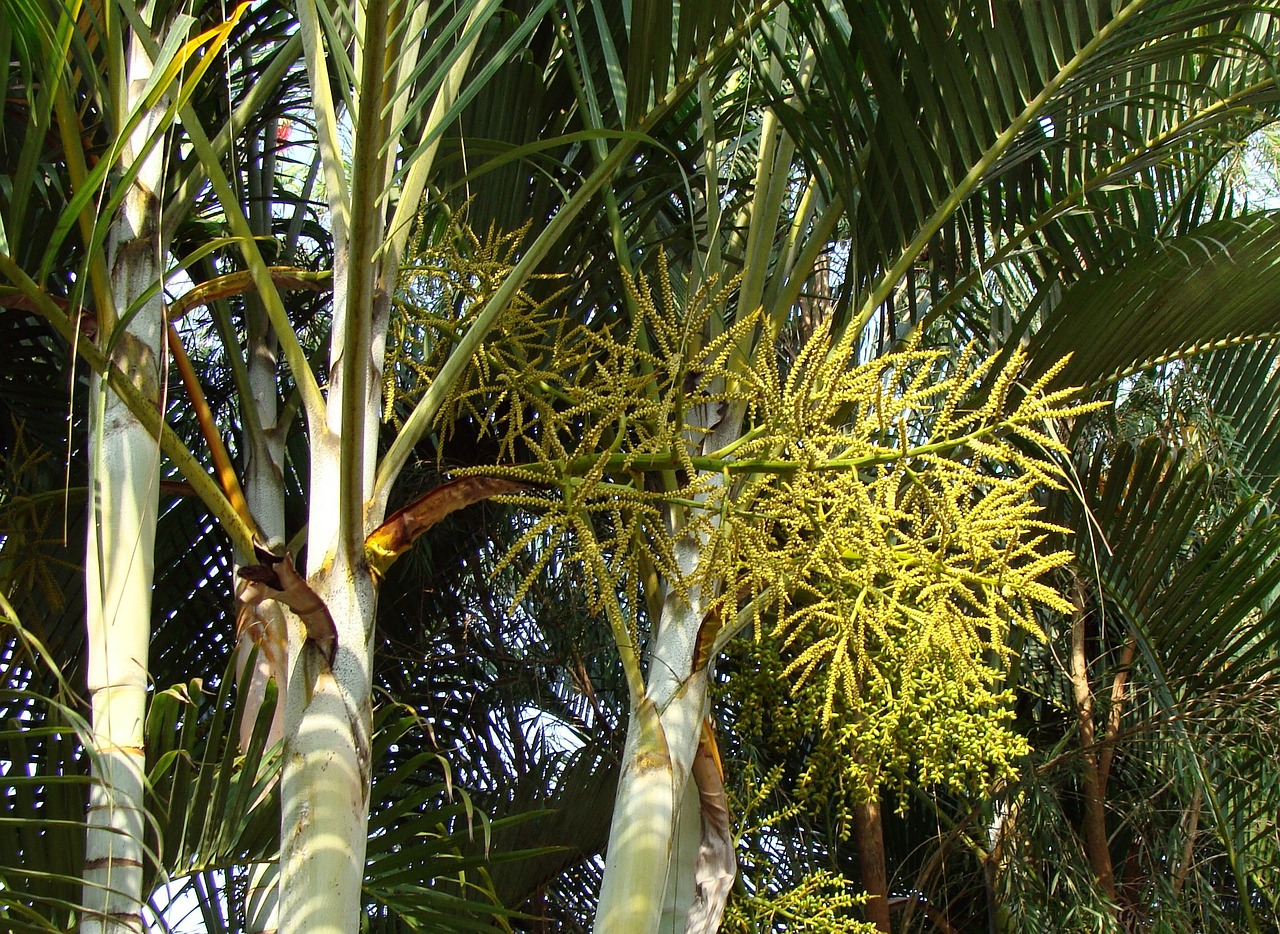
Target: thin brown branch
<point>868,830</point>
<point>225,473</point>
<point>1115,714</point>
<point>1188,845</point>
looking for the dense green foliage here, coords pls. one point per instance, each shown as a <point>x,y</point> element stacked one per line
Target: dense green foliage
<point>886,240</point>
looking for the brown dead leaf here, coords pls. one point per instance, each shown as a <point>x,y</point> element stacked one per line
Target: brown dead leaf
<point>397,535</point>
<point>277,579</point>
<point>717,864</point>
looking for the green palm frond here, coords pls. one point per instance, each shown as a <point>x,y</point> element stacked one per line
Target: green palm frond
<point>568,799</point>
<point>1188,294</point>
<point>432,858</point>
<point>1187,581</point>
<point>214,805</point>
<point>960,139</point>
<point>45,786</point>
<point>1242,388</point>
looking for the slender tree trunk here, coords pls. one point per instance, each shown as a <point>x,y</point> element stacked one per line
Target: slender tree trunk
<point>328,709</point>
<point>869,833</point>
<point>999,832</point>
<point>662,739</point>
<point>1095,818</point>
<point>263,626</point>
<point>648,882</point>
<point>1187,857</point>
<point>1115,713</point>
<point>119,562</point>
<point>325,793</point>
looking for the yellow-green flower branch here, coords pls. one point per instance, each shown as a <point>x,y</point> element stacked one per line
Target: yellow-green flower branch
<point>877,523</point>
<point>443,387</point>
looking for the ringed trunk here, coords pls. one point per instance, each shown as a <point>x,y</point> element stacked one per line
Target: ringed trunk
<point>325,791</point>
<point>328,703</point>
<point>124,479</point>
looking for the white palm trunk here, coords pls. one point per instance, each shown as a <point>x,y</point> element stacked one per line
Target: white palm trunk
<point>119,561</point>
<point>328,711</point>
<point>648,881</point>
<point>325,796</point>
<point>264,494</point>
<point>328,722</point>
<point>655,833</point>
<point>263,626</point>
<point>651,881</point>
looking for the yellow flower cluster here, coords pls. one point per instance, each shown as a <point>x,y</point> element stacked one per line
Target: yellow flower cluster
<point>821,901</point>
<point>877,521</point>
<point>888,566</point>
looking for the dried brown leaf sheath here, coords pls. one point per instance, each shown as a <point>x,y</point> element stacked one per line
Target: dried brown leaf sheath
<point>707,632</point>
<point>716,864</point>
<point>395,536</point>
<point>277,579</point>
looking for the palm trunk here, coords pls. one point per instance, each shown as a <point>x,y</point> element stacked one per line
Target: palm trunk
<point>263,627</point>
<point>119,565</point>
<point>869,833</point>
<point>328,708</point>
<point>1095,818</point>
<point>325,791</point>
<point>643,860</point>
<point>649,883</point>
<point>119,562</point>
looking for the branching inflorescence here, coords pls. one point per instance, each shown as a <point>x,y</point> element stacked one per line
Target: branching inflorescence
<point>876,522</point>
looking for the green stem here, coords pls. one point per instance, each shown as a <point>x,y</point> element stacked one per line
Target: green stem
<point>368,169</point>
<point>303,378</point>
<point>718,462</point>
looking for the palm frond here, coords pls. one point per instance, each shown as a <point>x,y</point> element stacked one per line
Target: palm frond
<point>1188,294</point>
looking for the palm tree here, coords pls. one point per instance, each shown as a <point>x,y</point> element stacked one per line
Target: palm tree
<point>1065,294</point>
<point>803,130</point>
<point>403,120</point>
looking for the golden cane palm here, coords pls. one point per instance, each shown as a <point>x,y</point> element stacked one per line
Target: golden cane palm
<point>684,174</point>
